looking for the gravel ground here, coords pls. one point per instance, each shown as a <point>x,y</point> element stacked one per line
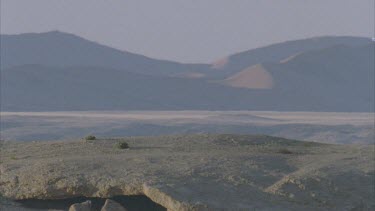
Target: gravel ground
<point>194,172</point>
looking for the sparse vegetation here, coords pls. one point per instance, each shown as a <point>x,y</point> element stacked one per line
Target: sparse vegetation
<point>13,157</point>
<point>285,151</point>
<point>90,138</point>
<point>310,144</point>
<point>122,145</point>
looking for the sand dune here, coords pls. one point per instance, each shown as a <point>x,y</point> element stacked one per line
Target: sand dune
<point>254,77</point>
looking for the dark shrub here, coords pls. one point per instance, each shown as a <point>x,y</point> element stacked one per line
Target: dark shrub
<point>122,145</point>
<point>285,151</point>
<point>90,138</point>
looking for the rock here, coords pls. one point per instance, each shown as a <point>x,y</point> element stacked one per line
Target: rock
<point>84,206</point>
<point>111,205</point>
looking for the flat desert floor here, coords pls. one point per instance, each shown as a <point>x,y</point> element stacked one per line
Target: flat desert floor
<point>328,127</point>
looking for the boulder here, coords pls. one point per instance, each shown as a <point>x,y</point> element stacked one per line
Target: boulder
<point>111,205</point>
<point>84,206</point>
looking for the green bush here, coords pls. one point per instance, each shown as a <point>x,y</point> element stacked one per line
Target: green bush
<point>122,145</point>
<point>90,138</point>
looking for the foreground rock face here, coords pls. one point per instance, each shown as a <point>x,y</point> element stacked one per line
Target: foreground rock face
<point>84,206</point>
<point>111,205</point>
<point>200,172</point>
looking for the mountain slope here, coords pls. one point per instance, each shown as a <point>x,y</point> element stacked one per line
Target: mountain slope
<point>277,52</point>
<point>35,87</point>
<point>340,74</point>
<point>339,78</point>
<point>336,77</point>
<point>58,71</point>
<point>62,49</point>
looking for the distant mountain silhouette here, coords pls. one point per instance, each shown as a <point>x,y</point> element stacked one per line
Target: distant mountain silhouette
<point>341,75</point>
<point>62,49</point>
<point>277,52</point>
<point>58,71</point>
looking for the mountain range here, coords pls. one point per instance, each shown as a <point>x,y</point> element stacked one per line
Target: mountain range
<point>60,71</point>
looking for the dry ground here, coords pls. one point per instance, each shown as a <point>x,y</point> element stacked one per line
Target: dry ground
<point>195,172</point>
<point>325,127</point>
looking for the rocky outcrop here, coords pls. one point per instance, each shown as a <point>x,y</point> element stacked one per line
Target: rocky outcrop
<point>202,172</point>
<point>84,206</point>
<point>111,205</point>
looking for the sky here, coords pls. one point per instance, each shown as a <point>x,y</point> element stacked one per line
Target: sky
<point>189,30</point>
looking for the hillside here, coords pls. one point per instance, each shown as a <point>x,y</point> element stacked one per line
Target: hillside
<point>38,88</point>
<point>332,76</point>
<point>58,71</point>
<point>61,49</point>
<point>280,51</point>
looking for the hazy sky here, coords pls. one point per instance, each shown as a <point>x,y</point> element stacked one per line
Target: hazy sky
<point>189,30</point>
